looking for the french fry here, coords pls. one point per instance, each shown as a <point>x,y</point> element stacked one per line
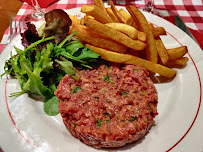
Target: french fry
<point>82,21</point>
<point>151,26</point>
<point>74,20</point>
<point>131,22</point>
<point>161,49</point>
<point>124,28</point>
<point>116,13</point>
<point>127,17</point>
<point>178,62</point>
<point>141,36</point>
<point>96,12</point>
<point>113,34</point>
<point>88,36</point>
<point>140,20</point>
<point>129,59</point>
<point>177,52</point>
<point>112,16</point>
<point>100,4</point>
<point>125,14</point>
<point>158,31</point>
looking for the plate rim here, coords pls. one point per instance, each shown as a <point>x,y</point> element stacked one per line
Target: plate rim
<point>188,130</point>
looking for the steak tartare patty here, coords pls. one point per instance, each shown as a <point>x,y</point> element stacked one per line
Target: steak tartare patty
<point>108,106</point>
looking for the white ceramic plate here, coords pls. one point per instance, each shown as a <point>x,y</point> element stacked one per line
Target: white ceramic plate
<point>24,127</point>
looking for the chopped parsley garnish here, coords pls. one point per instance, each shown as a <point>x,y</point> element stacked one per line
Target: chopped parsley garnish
<point>98,122</point>
<point>107,120</point>
<point>136,69</point>
<point>111,81</point>
<point>75,89</point>
<point>106,78</point>
<point>106,113</point>
<point>124,92</point>
<point>96,97</point>
<point>143,93</point>
<point>132,119</point>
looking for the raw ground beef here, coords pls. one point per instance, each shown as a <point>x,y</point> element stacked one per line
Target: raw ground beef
<point>108,106</point>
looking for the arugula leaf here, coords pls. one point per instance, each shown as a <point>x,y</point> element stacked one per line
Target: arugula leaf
<point>73,47</point>
<point>81,54</point>
<point>62,52</point>
<point>34,84</point>
<point>38,42</point>
<point>47,65</point>
<point>51,106</point>
<point>19,51</point>
<point>28,63</point>
<point>87,54</point>
<point>67,67</point>
<point>66,39</point>
<point>13,61</point>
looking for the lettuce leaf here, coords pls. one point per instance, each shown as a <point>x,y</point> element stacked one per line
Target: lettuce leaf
<point>51,106</point>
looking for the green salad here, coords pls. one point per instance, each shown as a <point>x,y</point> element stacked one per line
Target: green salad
<point>39,69</point>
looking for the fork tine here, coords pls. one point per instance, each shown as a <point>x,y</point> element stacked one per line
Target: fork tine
<point>10,31</point>
<point>14,30</point>
<point>23,26</point>
<point>19,27</point>
<point>11,23</point>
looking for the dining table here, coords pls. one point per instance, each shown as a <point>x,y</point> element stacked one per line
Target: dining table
<point>190,11</point>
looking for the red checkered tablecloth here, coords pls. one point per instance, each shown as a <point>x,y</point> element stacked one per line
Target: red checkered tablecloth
<point>191,11</point>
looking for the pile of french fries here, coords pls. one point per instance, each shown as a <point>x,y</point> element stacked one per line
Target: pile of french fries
<point>126,37</point>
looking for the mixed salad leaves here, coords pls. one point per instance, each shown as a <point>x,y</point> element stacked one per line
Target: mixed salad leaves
<point>43,63</point>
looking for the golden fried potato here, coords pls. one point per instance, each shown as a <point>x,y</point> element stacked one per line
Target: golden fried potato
<point>161,49</point>
<point>97,13</point>
<point>151,26</point>
<point>82,21</point>
<point>177,52</point>
<point>141,36</point>
<point>113,34</point>
<point>88,36</point>
<point>124,28</point>
<point>116,13</point>
<point>140,20</point>
<point>129,59</point>
<point>125,14</point>
<point>112,16</point>
<point>74,20</point>
<point>131,22</point>
<point>178,62</point>
<point>158,31</point>
<point>100,4</point>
